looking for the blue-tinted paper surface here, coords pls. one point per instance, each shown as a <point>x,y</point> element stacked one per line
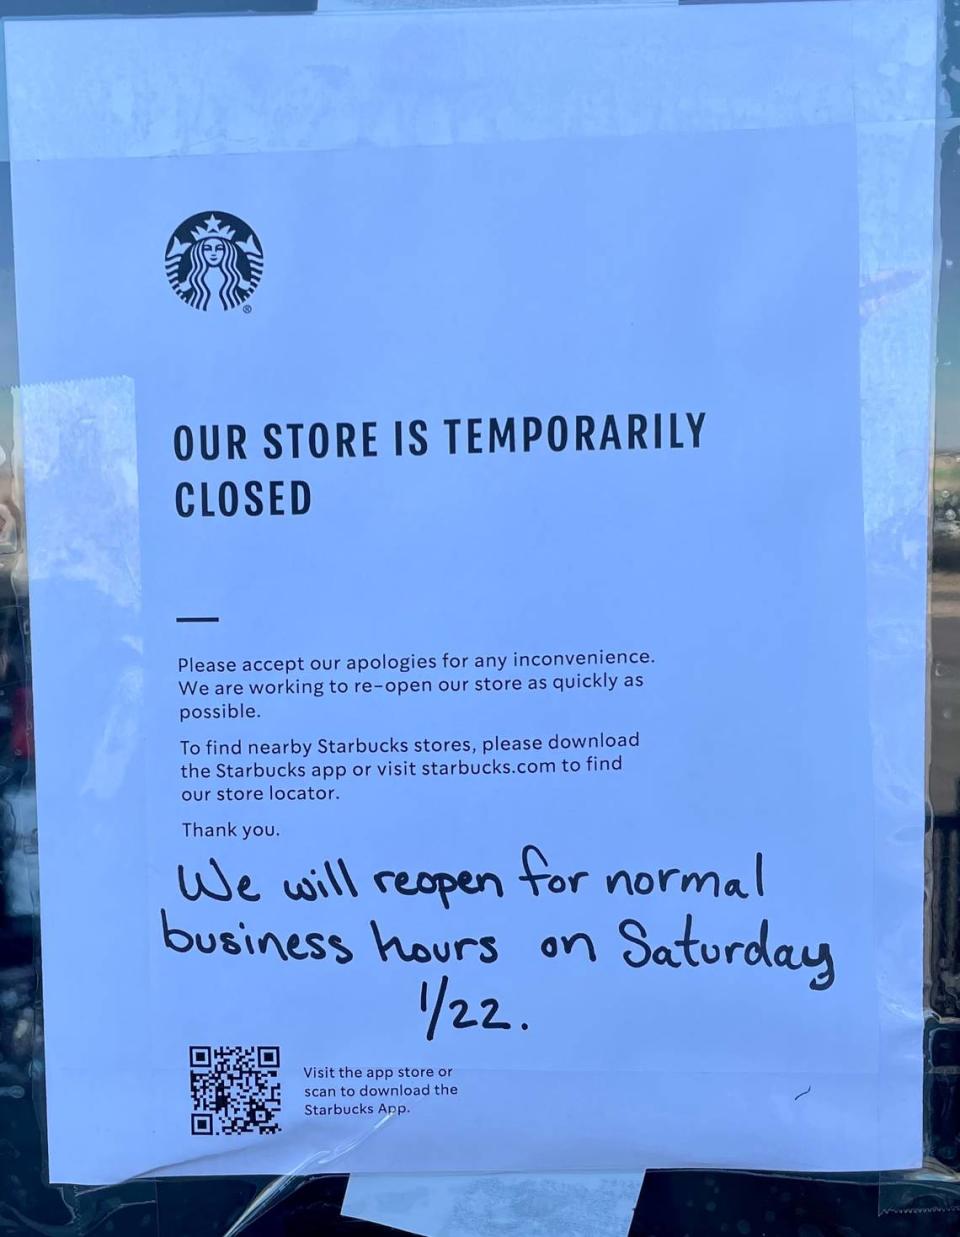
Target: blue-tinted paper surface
<point>578,584</point>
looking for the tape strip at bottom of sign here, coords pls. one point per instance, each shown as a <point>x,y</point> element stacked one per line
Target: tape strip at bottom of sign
<point>551,1205</point>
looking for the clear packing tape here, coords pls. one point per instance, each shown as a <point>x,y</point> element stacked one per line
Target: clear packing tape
<point>870,65</point>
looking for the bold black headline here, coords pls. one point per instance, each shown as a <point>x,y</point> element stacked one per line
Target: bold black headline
<point>338,440</point>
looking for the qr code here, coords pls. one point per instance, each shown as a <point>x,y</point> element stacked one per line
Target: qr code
<point>234,1090</point>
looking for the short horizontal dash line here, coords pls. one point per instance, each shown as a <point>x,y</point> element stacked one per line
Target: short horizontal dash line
<point>200,619</point>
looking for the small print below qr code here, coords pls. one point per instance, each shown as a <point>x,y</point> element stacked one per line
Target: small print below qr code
<point>234,1090</point>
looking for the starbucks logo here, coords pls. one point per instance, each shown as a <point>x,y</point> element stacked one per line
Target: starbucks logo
<point>214,260</point>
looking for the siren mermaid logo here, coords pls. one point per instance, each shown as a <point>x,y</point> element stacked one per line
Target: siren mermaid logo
<point>214,259</point>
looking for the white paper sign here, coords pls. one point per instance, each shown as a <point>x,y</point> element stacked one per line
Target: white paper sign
<point>457,747</point>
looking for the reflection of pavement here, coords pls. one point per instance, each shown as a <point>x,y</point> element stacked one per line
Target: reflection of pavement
<point>20,827</point>
<point>945,690</point>
<point>21,1190</point>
